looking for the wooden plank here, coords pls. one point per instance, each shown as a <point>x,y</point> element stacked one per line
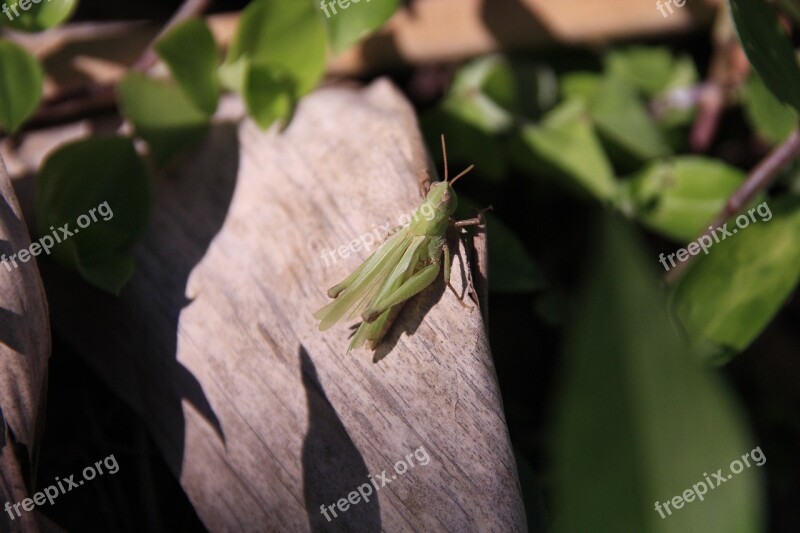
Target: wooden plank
<point>24,351</point>
<point>262,417</point>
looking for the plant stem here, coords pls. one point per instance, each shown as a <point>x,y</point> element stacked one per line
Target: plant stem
<point>98,97</point>
<point>759,179</point>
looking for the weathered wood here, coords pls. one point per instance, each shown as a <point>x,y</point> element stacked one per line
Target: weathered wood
<point>261,416</point>
<point>24,351</point>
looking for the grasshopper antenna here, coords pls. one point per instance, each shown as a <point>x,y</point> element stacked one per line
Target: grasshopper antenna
<point>464,173</point>
<point>444,155</point>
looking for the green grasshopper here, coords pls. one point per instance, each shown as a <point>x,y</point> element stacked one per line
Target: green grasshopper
<point>399,269</point>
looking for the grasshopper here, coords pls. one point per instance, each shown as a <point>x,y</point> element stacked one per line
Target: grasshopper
<point>399,269</point>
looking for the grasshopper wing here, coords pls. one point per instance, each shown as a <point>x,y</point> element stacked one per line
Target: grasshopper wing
<point>353,301</point>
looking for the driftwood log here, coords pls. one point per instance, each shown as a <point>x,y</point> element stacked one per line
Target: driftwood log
<point>24,353</point>
<point>263,418</point>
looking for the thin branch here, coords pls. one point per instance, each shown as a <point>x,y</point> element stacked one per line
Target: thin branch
<point>188,9</point>
<point>98,97</point>
<point>759,179</point>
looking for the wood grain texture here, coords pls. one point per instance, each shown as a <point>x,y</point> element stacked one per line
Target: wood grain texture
<point>24,352</point>
<point>261,416</point>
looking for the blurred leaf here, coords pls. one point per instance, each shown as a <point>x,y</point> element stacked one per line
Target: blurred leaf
<point>681,196</point>
<point>580,85</point>
<point>471,119</point>
<point>768,116</point>
<point>104,174</point>
<point>648,68</point>
<point>350,20</point>
<point>40,15</point>
<point>287,34</point>
<point>162,114</point>
<point>768,48</point>
<point>639,421</point>
<point>20,85</point>
<point>730,295</point>
<point>269,94</point>
<point>653,70</point>
<point>566,145</point>
<point>469,102</point>
<point>622,120</point>
<point>192,55</point>
<point>109,273</point>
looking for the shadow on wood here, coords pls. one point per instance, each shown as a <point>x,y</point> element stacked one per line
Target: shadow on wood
<point>261,416</point>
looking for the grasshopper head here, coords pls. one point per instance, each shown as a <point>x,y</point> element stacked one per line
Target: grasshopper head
<point>442,197</point>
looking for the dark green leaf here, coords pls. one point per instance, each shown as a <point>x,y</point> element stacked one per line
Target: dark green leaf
<point>350,20</point>
<point>191,53</point>
<point>768,48</point>
<point>772,120</point>
<point>162,114</point>
<point>107,176</point>
<point>20,85</point>
<point>730,295</point>
<point>269,94</point>
<point>639,421</point>
<point>39,16</point>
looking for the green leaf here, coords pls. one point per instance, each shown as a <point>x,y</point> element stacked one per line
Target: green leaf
<point>192,55</point>
<point>269,94</point>
<point>730,295</point>
<point>622,121</point>
<point>107,176</point>
<point>20,85</point>
<point>109,273</point>
<point>162,115</point>
<point>565,144</point>
<point>468,100</point>
<point>768,48</point>
<point>350,20</point>
<point>772,120</point>
<point>652,70</point>
<point>40,15</point>
<point>681,196</point>
<point>471,119</point>
<point>580,85</point>
<point>287,34</point>
<point>638,420</point>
